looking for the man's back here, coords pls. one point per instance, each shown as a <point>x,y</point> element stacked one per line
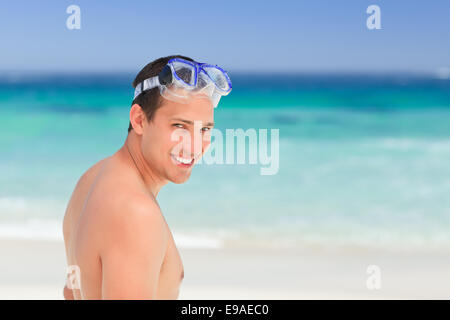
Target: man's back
<point>116,234</point>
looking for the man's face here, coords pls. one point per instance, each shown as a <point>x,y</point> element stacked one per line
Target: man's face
<point>177,137</point>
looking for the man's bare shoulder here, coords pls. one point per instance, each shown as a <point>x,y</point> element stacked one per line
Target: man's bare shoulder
<point>79,194</point>
<point>133,206</point>
<point>133,221</point>
<point>121,209</point>
<point>89,175</point>
<point>114,190</point>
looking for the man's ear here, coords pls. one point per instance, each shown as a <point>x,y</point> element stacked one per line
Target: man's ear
<point>137,118</point>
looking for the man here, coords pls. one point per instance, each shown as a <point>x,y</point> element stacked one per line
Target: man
<point>115,234</point>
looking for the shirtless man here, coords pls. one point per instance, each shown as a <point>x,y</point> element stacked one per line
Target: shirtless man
<point>114,231</point>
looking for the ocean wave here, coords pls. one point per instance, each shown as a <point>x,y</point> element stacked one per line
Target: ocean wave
<point>36,229</point>
<point>323,227</point>
<point>435,145</point>
<point>261,238</point>
<point>20,208</point>
<point>32,229</point>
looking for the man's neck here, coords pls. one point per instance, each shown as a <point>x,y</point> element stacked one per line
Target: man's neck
<point>133,155</point>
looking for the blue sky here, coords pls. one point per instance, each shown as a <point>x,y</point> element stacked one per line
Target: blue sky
<point>238,35</point>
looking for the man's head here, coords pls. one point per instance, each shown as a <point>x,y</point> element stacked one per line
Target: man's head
<point>167,130</point>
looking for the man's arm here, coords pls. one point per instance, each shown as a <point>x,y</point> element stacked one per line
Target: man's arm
<point>134,250</point>
<point>68,294</point>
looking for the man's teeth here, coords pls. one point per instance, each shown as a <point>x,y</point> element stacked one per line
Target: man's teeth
<point>182,160</point>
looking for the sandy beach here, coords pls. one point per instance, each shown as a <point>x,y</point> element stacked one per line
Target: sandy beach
<point>35,269</point>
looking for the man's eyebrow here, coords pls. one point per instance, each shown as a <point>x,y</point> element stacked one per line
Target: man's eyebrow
<point>208,124</point>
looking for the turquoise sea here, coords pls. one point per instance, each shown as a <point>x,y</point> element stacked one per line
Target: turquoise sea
<point>364,159</point>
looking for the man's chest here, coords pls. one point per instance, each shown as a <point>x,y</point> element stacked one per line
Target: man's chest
<point>172,270</point>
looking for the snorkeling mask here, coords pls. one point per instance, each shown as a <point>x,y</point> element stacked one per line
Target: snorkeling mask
<point>181,79</point>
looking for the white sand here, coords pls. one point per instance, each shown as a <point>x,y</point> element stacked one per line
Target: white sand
<point>35,269</point>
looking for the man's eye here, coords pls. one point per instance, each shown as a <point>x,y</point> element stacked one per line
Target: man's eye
<point>178,125</point>
<point>206,129</point>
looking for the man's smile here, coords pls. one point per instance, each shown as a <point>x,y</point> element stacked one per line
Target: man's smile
<point>183,162</point>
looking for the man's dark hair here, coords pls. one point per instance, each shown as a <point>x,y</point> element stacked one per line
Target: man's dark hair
<point>150,100</point>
